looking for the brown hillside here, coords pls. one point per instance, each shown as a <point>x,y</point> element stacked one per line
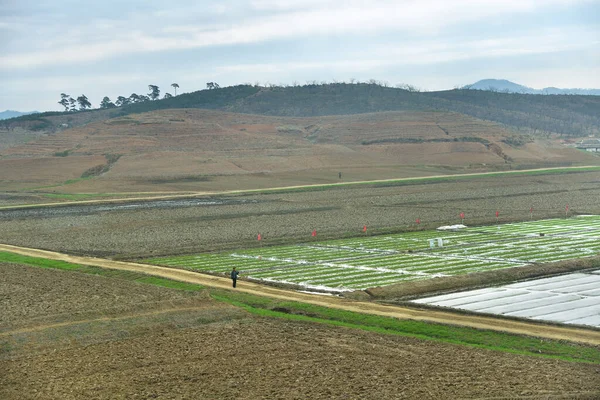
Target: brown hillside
<point>209,150</point>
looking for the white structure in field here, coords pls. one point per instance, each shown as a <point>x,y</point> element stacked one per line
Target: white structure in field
<point>451,227</point>
<point>592,145</point>
<point>439,241</point>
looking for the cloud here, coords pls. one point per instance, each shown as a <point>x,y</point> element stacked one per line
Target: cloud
<point>427,52</point>
<point>104,38</point>
<point>114,47</point>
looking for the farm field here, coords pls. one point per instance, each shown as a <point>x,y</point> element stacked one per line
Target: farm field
<point>149,229</point>
<point>372,261</point>
<point>568,299</point>
<point>142,230</point>
<point>88,319</point>
<point>93,333</point>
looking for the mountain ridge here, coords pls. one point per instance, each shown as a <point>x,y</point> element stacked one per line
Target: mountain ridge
<point>7,114</point>
<point>506,86</point>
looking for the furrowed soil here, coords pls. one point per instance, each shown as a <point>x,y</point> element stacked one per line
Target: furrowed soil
<point>185,345</point>
<point>142,229</point>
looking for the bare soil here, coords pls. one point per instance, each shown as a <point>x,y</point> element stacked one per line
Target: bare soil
<point>40,171</point>
<point>36,296</point>
<point>247,357</point>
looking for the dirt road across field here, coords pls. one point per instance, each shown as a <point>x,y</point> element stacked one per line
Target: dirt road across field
<point>184,195</point>
<point>516,327</point>
<point>480,322</point>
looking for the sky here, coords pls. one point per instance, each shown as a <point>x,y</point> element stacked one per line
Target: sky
<point>115,47</point>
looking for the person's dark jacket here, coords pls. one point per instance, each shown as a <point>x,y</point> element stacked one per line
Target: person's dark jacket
<point>234,274</point>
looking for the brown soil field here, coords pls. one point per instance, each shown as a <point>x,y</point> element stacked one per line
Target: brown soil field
<point>36,298</point>
<point>210,350</point>
<point>291,216</point>
<point>27,172</point>
<point>201,150</point>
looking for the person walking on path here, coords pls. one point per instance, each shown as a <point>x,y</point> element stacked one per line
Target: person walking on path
<point>234,276</point>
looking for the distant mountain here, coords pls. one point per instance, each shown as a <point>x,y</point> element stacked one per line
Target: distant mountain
<point>12,114</point>
<point>502,85</point>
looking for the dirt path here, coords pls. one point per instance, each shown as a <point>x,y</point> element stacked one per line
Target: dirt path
<point>179,195</point>
<point>480,322</point>
<point>99,319</point>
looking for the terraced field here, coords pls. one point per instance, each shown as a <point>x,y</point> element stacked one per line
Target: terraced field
<point>360,263</point>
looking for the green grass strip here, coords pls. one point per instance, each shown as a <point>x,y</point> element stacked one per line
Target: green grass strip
<point>78,196</point>
<point>267,307</point>
<point>86,269</point>
<point>484,339</point>
<point>37,262</point>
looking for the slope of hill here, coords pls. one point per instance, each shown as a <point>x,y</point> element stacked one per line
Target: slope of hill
<point>193,149</point>
<point>535,114</point>
<point>503,85</point>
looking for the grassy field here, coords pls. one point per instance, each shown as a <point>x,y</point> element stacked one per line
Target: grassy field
<point>371,261</point>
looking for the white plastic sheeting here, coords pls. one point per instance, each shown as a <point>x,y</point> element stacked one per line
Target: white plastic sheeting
<point>569,299</point>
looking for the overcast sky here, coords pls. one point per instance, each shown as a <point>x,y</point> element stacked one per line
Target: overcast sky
<point>113,48</point>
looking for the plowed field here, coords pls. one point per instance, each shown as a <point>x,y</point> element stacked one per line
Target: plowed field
<point>182,345</point>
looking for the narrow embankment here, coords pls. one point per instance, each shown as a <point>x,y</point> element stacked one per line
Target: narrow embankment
<point>479,322</point>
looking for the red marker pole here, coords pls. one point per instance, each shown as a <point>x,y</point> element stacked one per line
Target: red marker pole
<point>365,229</point>
<point>259,238</point>
<point>314,233</point>
<point>497,214</point>
<point>462,217</point>
<point>418,221</point>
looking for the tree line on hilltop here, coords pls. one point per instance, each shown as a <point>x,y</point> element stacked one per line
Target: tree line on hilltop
<point>70,104</point>
<point>568,115</point>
